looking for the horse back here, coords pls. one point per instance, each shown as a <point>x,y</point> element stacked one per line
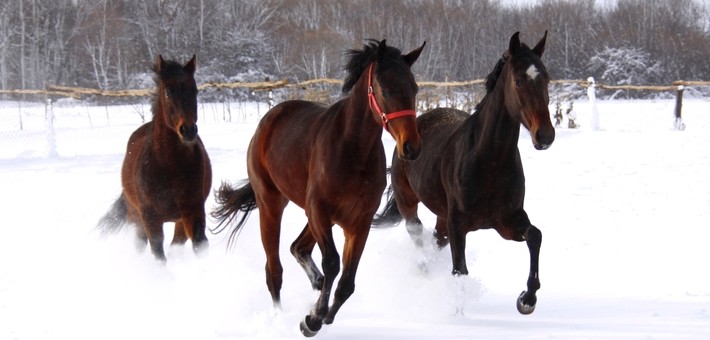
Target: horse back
<point>280,150</point>
<point>423,174</point>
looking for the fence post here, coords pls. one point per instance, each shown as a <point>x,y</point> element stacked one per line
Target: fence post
<point>678,124</point>
<point>49,122</point>
<point>593,103</point>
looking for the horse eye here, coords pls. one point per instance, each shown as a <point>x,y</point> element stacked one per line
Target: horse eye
<point>167,94</point>
<point>518,82</point>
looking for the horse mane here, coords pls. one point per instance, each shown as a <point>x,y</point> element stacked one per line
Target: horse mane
<point>360,59</point>
<point>491,80</point>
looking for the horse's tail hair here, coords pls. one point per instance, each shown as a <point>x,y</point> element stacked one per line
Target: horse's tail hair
<point>230,202</point>
<point>390,216</point>
<point>116,217</point>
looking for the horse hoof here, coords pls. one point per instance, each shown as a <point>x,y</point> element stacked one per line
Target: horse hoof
<point>524,308</point>
<point>306,330</point>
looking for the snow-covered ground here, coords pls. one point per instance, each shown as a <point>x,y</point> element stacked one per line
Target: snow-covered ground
<point>624,213</point>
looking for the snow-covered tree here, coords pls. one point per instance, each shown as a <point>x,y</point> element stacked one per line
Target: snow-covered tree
<point>624,66</point>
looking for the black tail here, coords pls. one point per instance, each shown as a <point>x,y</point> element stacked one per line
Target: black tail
<point>390,216</point>
<point>230,202</point>
<point>115,219</point>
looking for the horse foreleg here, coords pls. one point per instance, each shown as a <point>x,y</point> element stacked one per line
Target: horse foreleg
<point>352,252</point>
<point>322,232</point>
<point>457,240</point>
<point>527,299</point>
<point>302,248</point>
<point>154,230</point>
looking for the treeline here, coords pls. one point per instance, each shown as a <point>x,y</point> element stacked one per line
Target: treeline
<point>111,44</point>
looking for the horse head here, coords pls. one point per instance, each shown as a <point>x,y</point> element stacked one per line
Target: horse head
<point>393,86</point>
<point>177,97</point>
<point>391,91</point>
<point>526,90</point>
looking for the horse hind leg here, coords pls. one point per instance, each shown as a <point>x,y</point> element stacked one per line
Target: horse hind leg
<point>193,227</point>
<point>302,248</point>
<point>180,235</point>
<point>407,203</point>
<point>441,233</point>
<point>271,209</point>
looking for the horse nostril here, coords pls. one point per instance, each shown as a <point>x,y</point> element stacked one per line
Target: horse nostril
<point>410,152</point>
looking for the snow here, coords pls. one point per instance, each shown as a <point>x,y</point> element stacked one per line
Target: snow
<point>623,212</point>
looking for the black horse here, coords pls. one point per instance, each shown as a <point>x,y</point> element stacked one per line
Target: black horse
<point>469,172</point>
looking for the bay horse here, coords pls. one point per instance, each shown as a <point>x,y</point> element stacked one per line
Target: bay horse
<point>469,173</point>
<point>166,172</point>
<point>330,161</point>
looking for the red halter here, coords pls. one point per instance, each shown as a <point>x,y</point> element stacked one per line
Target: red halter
<point>386,117</point>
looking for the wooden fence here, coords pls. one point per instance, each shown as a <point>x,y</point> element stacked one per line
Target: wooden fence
<point>77,92</point>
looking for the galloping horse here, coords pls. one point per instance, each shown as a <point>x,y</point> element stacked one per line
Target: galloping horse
<point>330,161</point>
<point>469,173</point>
<point>166,173</point>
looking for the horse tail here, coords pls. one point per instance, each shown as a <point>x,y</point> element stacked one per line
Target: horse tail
<point>230,202</point>
<point>116,217</point>
<point>390,216</point>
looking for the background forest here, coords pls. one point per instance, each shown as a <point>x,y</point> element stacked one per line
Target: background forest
<point>110,44</point>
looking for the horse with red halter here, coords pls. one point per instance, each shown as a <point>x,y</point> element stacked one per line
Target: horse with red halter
<point>330,161</point>
<point>166,173</point>
<point>469,173</point>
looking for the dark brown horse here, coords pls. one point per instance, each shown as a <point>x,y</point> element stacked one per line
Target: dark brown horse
<point>330,161</point>
<point>166,173</point>
<point>469,173</point>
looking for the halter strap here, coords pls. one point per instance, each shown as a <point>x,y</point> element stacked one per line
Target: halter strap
<point>386,117</point>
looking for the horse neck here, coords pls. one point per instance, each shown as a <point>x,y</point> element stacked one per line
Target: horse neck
<point>496,132</point>
<point>163,135</point>
<point>357,118</point>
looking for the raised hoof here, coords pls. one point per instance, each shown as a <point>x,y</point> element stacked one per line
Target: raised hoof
<point>306,330</point>
<point>524,308</point>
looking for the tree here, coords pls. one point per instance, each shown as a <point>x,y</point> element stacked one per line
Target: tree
<point>624,66</point>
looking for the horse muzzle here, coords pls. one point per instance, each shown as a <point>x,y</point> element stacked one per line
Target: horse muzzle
<point>411,150</point>
<point>542,138</point>
<point>188,132</point>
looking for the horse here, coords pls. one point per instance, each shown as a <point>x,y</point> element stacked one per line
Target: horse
<point>469,173</point>
<point>166,172</point>
<point>330,161</point>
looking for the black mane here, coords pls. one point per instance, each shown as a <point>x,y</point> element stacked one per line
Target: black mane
<point>360,59</point>
<point>491,80</point>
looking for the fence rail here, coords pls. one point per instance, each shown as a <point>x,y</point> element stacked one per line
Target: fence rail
<point>77,92</point>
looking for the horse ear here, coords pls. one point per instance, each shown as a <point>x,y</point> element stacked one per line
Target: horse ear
<point>381,48</point>
<point>190,66</point>
<point>158,63</point>
<point>514,43</point>
<point>411,57</point>
<point>540,47</point>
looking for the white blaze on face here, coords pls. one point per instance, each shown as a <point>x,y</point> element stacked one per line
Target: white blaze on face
<point>532,72</point>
